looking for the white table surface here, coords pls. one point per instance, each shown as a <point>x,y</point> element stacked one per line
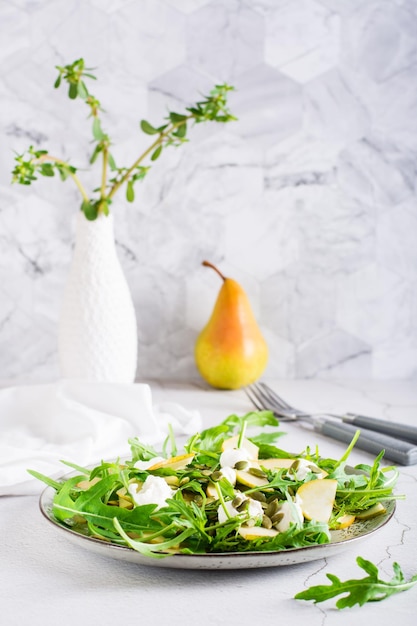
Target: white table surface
<point>44,579</point>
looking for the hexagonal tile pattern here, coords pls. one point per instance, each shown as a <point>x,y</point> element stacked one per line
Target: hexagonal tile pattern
<point>396,237</point>
<point>334,355</point>
<point>238,33</point>
<point>142,52</point>
<point>308,199</point>
<point>387,28</point>
<point>268,104</point>
<point>332,111</point>
<point>302,39</point>
<point>299,305</point>
<point>374,304</point>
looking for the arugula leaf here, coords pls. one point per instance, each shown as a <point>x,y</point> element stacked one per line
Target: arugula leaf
<point>210,440</point>
<point>140,451</point>
<point>368,589</point>
<point>45,479</point>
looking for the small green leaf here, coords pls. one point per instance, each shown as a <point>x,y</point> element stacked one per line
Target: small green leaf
<point>57,82</point>
<point>181,131</point>
<point>82,90</point>
<point>63,171</point>
<point>95,154</point>
<point>156,153</point>
<point>148,128</point>
<point>73,91</point>
<point>97,132</point>
<point>140,173</point>
<point>90,210</point>
<point>46,169</point>
<point>130,192</point>
<point>112,162</point>
<point>176,117</point>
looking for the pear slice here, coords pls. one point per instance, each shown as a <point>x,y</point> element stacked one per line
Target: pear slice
<point>275,464</point>
<point>345,521</point>
<point>272,464</point>
<point>174,463</point>
<point>317,499</point>
<point>257,532</point>
<point>86,484</point>
<point>231,443</point>
<point>376,509</point>
<point>211,491</point>
<point>250,480</point>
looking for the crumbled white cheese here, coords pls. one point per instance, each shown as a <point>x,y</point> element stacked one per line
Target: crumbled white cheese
<point>232,512</point>
<point>229,474</point>
<point>154,491</point>
<point>303,469</point>
<point>230,457</point>
<point>254,512</point>
<point>292,514</point>
<point>143,465</point>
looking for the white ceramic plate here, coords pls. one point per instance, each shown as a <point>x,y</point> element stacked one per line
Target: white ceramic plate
<point>340,540</point>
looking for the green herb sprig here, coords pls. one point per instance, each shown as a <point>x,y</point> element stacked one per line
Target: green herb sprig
<point>173,132</point>
<point>371,588</point>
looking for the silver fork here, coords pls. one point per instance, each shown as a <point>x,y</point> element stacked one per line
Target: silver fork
<point>373,432</point>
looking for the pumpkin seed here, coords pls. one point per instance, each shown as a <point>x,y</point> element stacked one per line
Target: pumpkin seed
<point>216,475</point>
<point>266,522</point>
<point>242,465</point>
<point>277,518</point>
<point>272,508</point>
<point>172,480</point>
<point>238,501</point>
<point>259,496</point>
<point>255,471</point>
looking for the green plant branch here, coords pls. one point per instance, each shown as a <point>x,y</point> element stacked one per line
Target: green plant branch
<point>42,157</point>
<point>74,176</point>
<point>104,172</point>
<point>173,133</point>
<point>151,149</point>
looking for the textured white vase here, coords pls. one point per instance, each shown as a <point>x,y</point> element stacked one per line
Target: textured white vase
<point>97,337</point>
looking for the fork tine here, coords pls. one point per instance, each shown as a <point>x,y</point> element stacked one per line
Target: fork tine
<point>268,397</point>
<point>253,397</point>
<point>263,399</point>
<point>276,398</point>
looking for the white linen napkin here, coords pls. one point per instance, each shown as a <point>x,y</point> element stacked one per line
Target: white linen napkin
<point>78,421</point>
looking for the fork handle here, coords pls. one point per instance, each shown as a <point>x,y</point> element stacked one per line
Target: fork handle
<point>402,431</point>
<point>397,450</point>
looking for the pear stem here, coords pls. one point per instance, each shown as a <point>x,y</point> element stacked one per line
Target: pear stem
<point>208,264</point>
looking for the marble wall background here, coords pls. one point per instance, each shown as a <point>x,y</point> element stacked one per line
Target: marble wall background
<point>309,200</point>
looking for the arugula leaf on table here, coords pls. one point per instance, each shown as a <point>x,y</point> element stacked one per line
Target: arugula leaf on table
<point>368,589</point>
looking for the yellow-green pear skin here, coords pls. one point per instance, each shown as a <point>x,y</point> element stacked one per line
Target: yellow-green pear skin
<point>230,351</point>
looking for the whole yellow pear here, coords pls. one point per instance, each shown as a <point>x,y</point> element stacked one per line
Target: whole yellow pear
<point>230,351</point>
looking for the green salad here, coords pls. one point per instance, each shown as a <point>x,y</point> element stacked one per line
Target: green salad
<point>226,491</point>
